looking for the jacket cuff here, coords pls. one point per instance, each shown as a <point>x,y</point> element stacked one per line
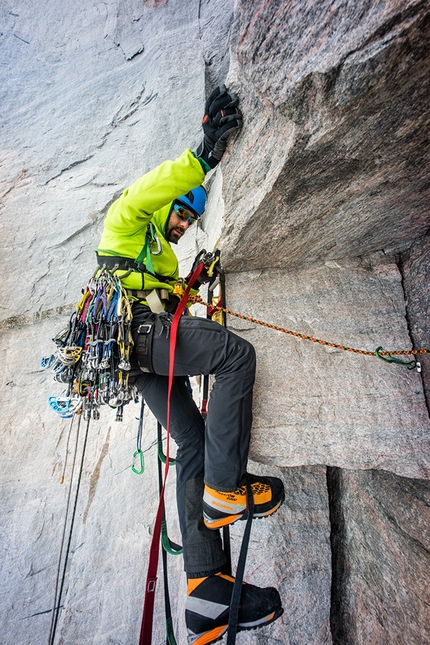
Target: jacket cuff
<point>205,166</point>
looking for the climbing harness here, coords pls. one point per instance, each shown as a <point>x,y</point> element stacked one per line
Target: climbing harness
<point>379,352</point>
<point>93,352</point>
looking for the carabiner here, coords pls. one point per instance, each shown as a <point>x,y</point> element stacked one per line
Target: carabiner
<point>162,456</point>
<point>389,358</point>
<point>142,463</point>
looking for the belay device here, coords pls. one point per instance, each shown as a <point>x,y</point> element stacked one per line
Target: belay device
<point>93,353</point>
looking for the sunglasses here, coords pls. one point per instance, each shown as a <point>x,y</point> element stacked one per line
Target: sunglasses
<point>184,215</point>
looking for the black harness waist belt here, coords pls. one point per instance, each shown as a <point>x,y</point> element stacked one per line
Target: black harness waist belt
<point>126,264</point>
<point>118,262</point>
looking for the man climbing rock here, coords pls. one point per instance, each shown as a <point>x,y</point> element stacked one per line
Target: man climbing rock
<point>211,461</point>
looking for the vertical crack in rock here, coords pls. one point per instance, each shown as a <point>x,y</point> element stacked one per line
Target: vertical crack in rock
<point>408,286</point>
<point>380,557</point>
<point>340,570</point>
<point>96,475</point>
<point>215,43</point>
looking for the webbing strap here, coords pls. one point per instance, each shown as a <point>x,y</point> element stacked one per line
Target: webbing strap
<point>226,546</point>
<point>151,577</point>
<point>237,587</point>
<point>145,253</point>
<point>209,312</point>
<point>170,636</point>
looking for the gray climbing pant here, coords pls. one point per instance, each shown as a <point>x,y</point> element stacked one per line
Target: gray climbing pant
<point>214,453</point>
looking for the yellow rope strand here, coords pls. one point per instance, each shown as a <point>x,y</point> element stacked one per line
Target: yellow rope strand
<point>401,352</point>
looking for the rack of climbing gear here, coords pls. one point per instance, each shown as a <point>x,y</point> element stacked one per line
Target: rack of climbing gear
<point>388,356</point>
<point>93,352</point>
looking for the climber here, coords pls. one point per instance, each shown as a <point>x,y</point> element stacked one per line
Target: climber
<point>153,213</point>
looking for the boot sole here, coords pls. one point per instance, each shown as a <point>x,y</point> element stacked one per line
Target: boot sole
<point>215,635</point>
<point>245,627</point>
<point>231,519</point>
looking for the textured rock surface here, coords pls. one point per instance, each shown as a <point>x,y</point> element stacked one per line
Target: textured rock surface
<point>325,405</point>
<point>323,216</point>
<point>416,269</point>
<point>381,570</point>
<point>347,99</point>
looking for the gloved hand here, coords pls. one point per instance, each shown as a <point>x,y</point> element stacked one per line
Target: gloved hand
<point>211,264</point>
<point>222,119</point>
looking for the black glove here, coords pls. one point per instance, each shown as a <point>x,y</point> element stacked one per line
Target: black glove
<point>209,260</point>
<point>222,119</point>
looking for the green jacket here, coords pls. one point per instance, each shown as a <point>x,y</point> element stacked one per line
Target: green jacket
<point>140,217</point>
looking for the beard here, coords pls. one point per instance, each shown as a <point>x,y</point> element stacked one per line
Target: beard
<point>173,233</point>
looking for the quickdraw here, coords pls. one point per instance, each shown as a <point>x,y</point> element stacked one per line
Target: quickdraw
<point>138,452</point>
<point>93,353</point>
<point>379,352</point>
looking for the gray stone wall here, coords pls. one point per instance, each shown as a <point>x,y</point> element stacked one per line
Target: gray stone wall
<point>321,207</point>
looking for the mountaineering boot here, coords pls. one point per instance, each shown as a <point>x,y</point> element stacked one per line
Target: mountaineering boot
<point>207,608</point>
<point>220,508</point>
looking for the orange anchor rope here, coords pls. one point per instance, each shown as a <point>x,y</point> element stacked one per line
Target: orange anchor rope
<point>379,352</point>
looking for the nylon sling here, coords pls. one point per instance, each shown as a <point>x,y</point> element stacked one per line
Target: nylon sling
<point>151,578</point>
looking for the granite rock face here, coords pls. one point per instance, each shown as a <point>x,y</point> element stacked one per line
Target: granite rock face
<point>415,271</point>
<point>321,206</point>
<point>380,543</point>
<point>346,110</point>
<point>319,404</point>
